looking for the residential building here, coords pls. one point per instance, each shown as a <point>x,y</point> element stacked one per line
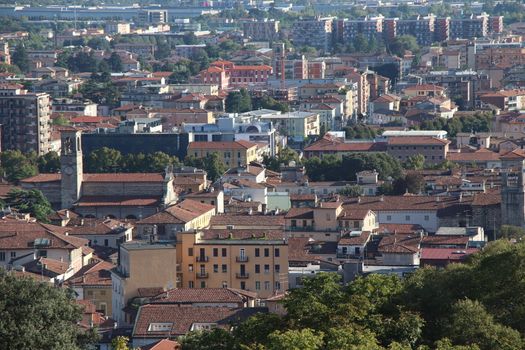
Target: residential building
<point>103,232</point>
<point>506,100</point>
<point>468,27</point>
<point>153,16</point>
<point>296,125</point>
<point>77,107</point>
<point>370,27</point>
<point>333,145</point>
<point>254,260</point>
<point>24,118</point>
<point>315,32</point>
<point>231,153</point>
<point>141,265</point>
<point>261,30</point>
<point>433,149</point>
<point>189,51</point>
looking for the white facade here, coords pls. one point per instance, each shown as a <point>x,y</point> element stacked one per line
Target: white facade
<point>426,218</point>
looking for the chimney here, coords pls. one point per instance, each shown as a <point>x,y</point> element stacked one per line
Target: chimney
<point>359,199</point>
<point>67,214</point>
<point>382,198</point>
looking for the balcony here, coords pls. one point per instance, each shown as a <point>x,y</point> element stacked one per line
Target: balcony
<point>242,276</point>
<point>202,259</point>
<point>241,259</point>
<point>201,275</point>
<point>301,228</point>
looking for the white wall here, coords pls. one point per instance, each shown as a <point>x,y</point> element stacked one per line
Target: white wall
<point>426,218</point>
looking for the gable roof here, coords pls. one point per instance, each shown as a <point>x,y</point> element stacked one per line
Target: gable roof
<point>180,213</point>
<point>199,295</point>
<point>241,144</point>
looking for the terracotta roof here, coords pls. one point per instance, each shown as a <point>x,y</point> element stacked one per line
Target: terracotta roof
<point>164,344</point>
<point>241,144</point>
<point>448,254</point>
<point>254,220</point>
<point>42,178</point>
<point>48,267</point>
<point>20,234</point>
<point>517,153</point>
<point>251,234</point>
<point>426,87</point>
<point>444,240</point>
<point>182,318</point>
<point>124,177</point>
<point>96,274</point>
<point>354,214</point>
<point>417,140</point>
<point>102,201</point>
<point>300,213</point>
<point>88,226</point>
<point>399,228</point>
<point>333,144</point>
<point>150,292</point>
<point>180,213</point>
<point>198,295</point>
<point>481,155</point>
<point>355,240</point>
<point>401,244</point>
<point>260,67</point>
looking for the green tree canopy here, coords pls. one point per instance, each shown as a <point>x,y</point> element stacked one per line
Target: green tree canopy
<point>30,201</point>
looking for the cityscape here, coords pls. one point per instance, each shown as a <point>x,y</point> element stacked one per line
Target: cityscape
<point>262,175</point>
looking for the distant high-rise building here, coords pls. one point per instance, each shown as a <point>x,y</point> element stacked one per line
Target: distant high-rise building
<point>24,118</point>
<point>316,32</point>
<point>264,30</point>
<point>370,27</point>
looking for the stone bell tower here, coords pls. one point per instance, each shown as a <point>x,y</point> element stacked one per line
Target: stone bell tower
<point>70,167</point>
<point>513,188</point>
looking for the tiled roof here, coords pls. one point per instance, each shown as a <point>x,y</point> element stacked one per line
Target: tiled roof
<point>398,228</point>
<point>183,317</point>
<point>123,201</point>
<point>517,153</point>
<point>124,177</point>
<point>402,244</point>
<point>180,213</point>
<point>300,213</point>
<point>443,240</point>
<point>332,144</point>
<point>448,254</point>
<point>426,87</point>
<point>163,344</point>
<point>256,234</point>
<point>254,220</point>
<point>479,155</point>
<point>20,234</point>
<point>96,226</point>
<point>354,214</point>
<point>198,295</point>
<point>42,178</point>
<point>355,240</point>
<point>48,267</point>
<point>241,144</point>
<point>97,274</point>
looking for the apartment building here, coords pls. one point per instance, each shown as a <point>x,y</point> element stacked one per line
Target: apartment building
<point>24,118</point>
<point>472,26</point>
<point>369,27</point>
<point>261,30</point>
<point>153,16</point>
<point>231,153</point>
<point>296,125</point>
<point>189,51</point>
<point>506,100</point>
<point>422,27</point>
<point>226,74</point>
<point>315,32</point>
<point>254,260</point>
<point>433,149</point>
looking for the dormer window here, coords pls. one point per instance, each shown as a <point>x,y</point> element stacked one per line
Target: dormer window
<point>160,327</point>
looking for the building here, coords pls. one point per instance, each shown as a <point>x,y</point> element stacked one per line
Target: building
<point>261,30</point>
<point>254,260</point>
<point>232,153</point>
<point>369,27</point>
<point>117,28</point>
<point>315,32</point>
<point>153,16</point>
<point>505,100</point>
<point>330,145</point>
<point>434,150</point>
<point>296,125</point>
<point>130,195</point>
<point>77,107</point>
<point>468,27</point>
<point>24,118</point>
<point>189,51</point>
<point>226,74</point>
<point>513,188</point>
<point>141,265</point>
<point>185,216</point>
<point>102,232</point>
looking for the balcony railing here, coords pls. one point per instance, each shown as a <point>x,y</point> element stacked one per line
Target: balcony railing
<point>242,275</point>
<point>202,259</point>
<point>202,275</point>
<point>241,259</point>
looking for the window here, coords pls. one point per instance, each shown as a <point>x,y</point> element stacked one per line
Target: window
<point>190,284</point>
<point>215,268</point>
<point>277,285</point>
<point>327,217</point>
<point>190,267</point>
<point>90,293</point>
<point>257,268</point>
<point>266,252</point>
<point>13,255</point>
<point>266,268</point>
<point>257,252</point>
<point>190,251</point>
<point>277,252</point>
<point>389,218</point>
<point>277,268</point>
<point>224,268</point>
<point>266,285</point>
<point>215,251</point>
<point>427,218</point>
<point>243,285</point>
<point>160,327</point>
<point>224,284</point>
<point>41,254</point>
<point>294,223</point>
<point>257,285</point>
<point>224,252</point>
<point>203,284</point>
<point>356,224</point>
<point>106,242</point>
<point>407,218</point>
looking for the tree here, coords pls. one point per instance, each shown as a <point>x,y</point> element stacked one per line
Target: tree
<point>61,121</point>
<point>217,338</point>
<point>115,62</point>
<point>37,315</point>
<point>256,329</point>
<point>20,58</point>
<point>415,162</point>
<point>351,339</point>
<point>17,166</point>
<point>32,202</point>
<point>49,162</point>
<point>351,191</point>
<point>285,156</point>
<point>238,101</point>
<point>211,163</point>
<point>304,339</point>
<point>512,232</point>
<point>402,43</point>
<point>103,160</point>
<point>472,324</point>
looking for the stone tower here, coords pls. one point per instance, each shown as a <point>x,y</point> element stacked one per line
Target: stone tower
<point>513,188</point>
<point>71,167</point>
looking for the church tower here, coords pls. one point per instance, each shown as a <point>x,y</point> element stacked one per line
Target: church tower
<point>70,167</point>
